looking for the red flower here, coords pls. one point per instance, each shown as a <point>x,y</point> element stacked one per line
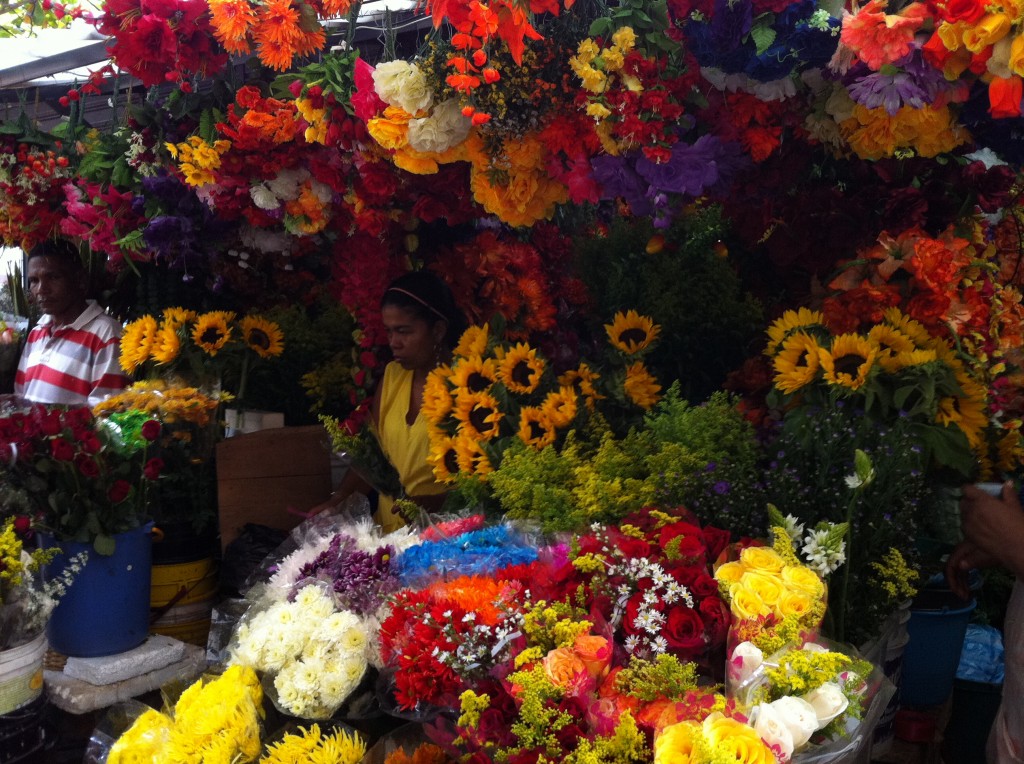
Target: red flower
<point>151,430</point>
<point>119,491</point>
<point>62,450</point>
<point>684,631</point>
<point>22,524</point>
<point>153,468</point>
<point>715,615</point>
<point>87,466</point>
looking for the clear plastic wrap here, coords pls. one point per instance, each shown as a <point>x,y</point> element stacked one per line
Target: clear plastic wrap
<point>408,744</point>
<point>113,725</point>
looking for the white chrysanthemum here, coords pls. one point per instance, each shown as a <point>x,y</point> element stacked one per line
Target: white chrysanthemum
<point>445,128</point>
<point>263,197</point>
<point>402,84</point>
<point>286,184</point>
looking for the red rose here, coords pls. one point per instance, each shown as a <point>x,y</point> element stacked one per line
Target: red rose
<point>22,524</point>
<point>151,430</point>
<point>153,468</point>
<point>90,443</point>
<point>119,491</point>
<point>704,586</point>
<point>716,540</point>
<point>61,450</point>
<point>633,548</point>
<point>49,423</point>
<point>1004,96</point>
<point>684,631</point>
<point>969,11</point>
<point>87,466</point>
<point>715,615</point>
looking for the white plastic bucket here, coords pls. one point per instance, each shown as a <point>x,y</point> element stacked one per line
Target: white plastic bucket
<point>21,674</point>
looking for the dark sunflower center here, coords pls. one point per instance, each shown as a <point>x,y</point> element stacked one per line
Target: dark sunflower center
<point>211,336</point>
<point>537,430</point>
<point>478,418</point>
<point>849,363</point>
<point>805,358</point>
<point>633,336</point>
<point>451,461</point>
<point>521,374</point>
<point>477,382</point>
<point>259,338</point>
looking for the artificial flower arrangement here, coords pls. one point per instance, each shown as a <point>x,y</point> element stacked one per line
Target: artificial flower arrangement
<point>32,173</point>
<point>86,479</point>
<point>217,347</point>
<point>182,425</point>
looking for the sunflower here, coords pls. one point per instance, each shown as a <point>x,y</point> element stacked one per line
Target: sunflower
<point>137,343</point>
<point>915,357</point>
<point>474,374</point>
<point>263,337</point>
<point>582,380</point>
<point>443,457</point>
<point>471,457</point>
<point>212,332</point>
<point>1009,451</point>
<point>641,387</point>
<point>890,343</point>
<point>561,407</point>
<point>520,369</point>
<point>473,341</point>
<point>789,322</point>
<point>535,427</point>
<point>797,363</point>
<point>478,414</point>
<point>849,361</point>
<point>915,330</point>
<point>177,317</point>
<point>437,399</point>
<point>966,411</point>
<point>630,332</point>
<point>168,344</point>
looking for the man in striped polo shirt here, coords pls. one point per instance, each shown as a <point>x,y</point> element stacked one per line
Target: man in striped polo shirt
<point>71,355</point>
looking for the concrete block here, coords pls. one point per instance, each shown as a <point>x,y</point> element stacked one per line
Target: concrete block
<point>78,697</point>
<point>155,653</point>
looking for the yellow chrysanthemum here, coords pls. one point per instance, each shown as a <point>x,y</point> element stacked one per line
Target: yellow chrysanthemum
<point>263,337</point>
<point>473,341</point>
<point>168,344</point>
<point>520,369</point>
<point>443,457</point>
<point>849,361</point>
<point>630,332</point>
<point>797,363</point>
<point>789,322</point>
<point>474,373</point>
<point>437,399</point>
<point>535,428</point>
<point>471,457</point>
<point>212,331</point>
<point>561,407</point>
<point>641,387</point>
<point>478,414</point>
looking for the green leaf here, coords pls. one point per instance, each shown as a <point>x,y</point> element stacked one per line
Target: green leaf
<point>206,127</point>
<point>600,27</point>
<point>104,545</point>
<point>763,37</point>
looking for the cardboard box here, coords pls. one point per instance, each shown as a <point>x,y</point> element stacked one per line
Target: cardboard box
<point>261,475</point>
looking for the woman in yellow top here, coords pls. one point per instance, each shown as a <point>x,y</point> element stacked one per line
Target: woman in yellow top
<point>423,325</point>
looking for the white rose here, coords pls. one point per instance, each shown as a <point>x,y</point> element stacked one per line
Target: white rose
<point>445,127</point>
<point>773,732</point>
<point>746,659</point>
<point>798,715</point>
<point>828,702</point>
<point>402,84</point>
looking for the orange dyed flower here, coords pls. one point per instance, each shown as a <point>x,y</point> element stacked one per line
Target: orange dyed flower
<point>879,38</point>
<point>232,20</point>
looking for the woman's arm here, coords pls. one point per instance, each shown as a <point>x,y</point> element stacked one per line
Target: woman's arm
<point>995,526</point>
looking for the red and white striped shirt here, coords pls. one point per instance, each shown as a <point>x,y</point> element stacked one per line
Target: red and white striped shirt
<point>73,365</point>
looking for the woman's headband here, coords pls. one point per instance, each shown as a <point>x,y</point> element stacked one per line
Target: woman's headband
<point>421,301</point>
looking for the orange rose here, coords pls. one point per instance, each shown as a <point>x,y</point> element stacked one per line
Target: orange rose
<point>595,652</point>
<point>565,668</point>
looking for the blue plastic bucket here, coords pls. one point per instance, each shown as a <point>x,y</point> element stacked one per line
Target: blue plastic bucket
<point>106,609</point>
<point>937,625</point>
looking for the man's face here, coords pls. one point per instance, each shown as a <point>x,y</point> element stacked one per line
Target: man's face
<point>56,287</point>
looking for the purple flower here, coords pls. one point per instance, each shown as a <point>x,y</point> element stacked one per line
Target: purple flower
<point>616,177</point>
<point>690,169</point>
<point>721,487</point>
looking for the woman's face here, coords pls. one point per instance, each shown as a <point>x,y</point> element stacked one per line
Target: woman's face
<point>412,340</point>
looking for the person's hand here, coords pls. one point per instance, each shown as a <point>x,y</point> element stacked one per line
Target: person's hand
<point>994,526</point>
<point>965,557</point>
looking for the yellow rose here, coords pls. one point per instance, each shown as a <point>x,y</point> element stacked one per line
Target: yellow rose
<point>951,34</point>
<point>767,587</point>
<point>796,603</point>
<point>803,579</point>
<point>729,573</point>
<point>992,28</point>
<point>736,741</point>
<point>762,558</point>
<point>745,604</point>
<point>676,743</point>
<point>1016,62</point>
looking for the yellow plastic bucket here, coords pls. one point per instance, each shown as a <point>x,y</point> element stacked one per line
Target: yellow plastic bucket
<point>198,579</point>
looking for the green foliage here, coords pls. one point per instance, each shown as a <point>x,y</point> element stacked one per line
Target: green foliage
<point>364,455</point>
<point>664,677</point>
<point>708,322</point>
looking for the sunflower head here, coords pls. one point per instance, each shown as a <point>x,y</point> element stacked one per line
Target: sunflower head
<point>641,387</point>
<point>212,331</point>
<point>444,457</point>
<point>631,333</point>
<point>520,370</point>
<point>168,344</point>
<point>137,343</point>
<point>797,363</point>
<point>474,373</point>
<point>479,415</point>
<point>177,317</point>
<point>473,341</point>
<point>849,361</point>
<point>263,337</point>
<point>789,322</point>
<point>437,398</point>
<point>561,407</point>
<point>535,427</point>
<point>915,330</point>
<point>471,457</point>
